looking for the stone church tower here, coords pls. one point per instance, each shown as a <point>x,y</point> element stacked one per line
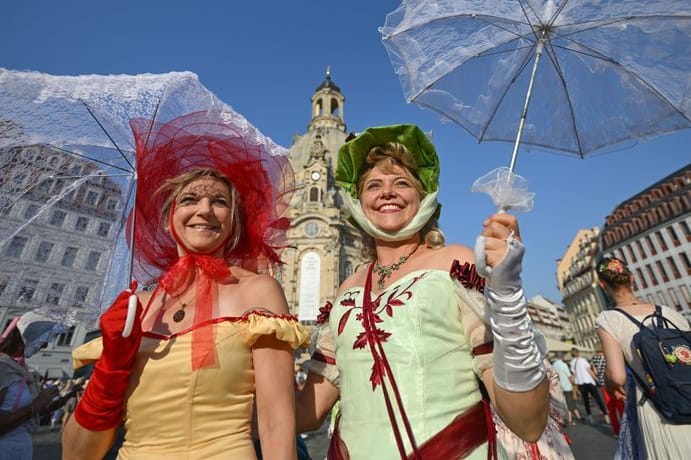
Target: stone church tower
<point>323,248</point>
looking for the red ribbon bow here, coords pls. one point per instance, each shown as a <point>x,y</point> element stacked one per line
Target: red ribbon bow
<point>204,270</point>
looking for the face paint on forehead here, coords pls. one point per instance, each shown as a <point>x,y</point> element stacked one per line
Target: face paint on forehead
<point>206,187</point>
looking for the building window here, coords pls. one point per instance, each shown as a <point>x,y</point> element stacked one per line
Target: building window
<point>103,229</point>
<point>18,179</point>
<point>675,299</point>
<point>30,211</point>
<point>81,224</point>
<point>111,204</point>
<point>58,218</point>
<point>687,294</point>
<point>663,272</point>
<point>653,279</point>
<point>69,256</point>
<point>16,246</point>
<point>640,248</point>
<point>314,194</point>
<point>54,161</point>
<point>91,198</point>
<point>26,292</point>
<point>687,263</point>
<point>661,300</point>
<point>58,186</point>
<point>675,269</point>
<point>80,295</point>
<point>632,254</point>
<point>54,293</point>
<point>653,251</point>
<point>5,205</point>
<point>673,236</point>
<point>644,283</point>
<point>687,231</point>
<point>661,240</point>
<point>43,252</point>
<point>45,186</point>
<point>92,260</point>
<point>348,268</point>
<point>65,339</point>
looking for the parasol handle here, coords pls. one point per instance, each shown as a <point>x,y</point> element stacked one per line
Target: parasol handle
<point>131,314</point>
<point>529,93</point>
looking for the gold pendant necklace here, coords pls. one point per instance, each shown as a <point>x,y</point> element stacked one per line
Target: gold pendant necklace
<point>385,271</point>
<point>179,314</point>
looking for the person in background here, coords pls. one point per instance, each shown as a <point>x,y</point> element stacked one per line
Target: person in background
<point>587,387</point>
<point>22,401</point>
<point>73,398</point>
<point>566,382</point>
<point>615,407</point>
<point>647,433</point>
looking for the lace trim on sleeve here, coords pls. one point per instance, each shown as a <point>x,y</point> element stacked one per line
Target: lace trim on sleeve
<point>323,359</point>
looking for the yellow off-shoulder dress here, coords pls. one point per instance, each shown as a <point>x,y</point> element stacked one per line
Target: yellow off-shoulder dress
<point>175,413</point>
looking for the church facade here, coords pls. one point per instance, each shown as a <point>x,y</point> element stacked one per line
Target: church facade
<point>322,248</point>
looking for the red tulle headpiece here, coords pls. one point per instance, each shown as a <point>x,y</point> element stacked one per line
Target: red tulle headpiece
<point>263,180</point>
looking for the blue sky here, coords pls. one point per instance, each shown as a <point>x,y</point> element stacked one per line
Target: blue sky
<point>265,58</point>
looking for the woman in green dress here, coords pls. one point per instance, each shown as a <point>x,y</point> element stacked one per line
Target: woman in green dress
<point>413,340</point>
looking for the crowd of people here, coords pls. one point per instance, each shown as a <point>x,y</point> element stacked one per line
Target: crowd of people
<point>427,351</point>
<point>27,399</point>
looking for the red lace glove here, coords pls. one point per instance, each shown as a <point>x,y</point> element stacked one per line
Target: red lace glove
<point>101,406</point>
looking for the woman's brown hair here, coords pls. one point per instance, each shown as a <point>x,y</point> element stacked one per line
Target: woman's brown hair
<point>613,272</point>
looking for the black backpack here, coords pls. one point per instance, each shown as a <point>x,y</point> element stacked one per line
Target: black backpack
<point>665,352</point>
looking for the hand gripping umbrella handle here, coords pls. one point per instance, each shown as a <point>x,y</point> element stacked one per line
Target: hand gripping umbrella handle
<point>131,314</point>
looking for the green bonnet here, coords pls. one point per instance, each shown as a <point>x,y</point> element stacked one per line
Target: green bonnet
<point>352,155</point>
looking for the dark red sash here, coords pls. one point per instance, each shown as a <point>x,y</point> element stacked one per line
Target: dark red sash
<point>457,440</point>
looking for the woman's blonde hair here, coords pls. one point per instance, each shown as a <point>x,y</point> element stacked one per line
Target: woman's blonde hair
<point>174,186</point>
<point>386,157</point>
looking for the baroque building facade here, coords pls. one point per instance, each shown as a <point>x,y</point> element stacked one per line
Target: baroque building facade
<point>651,231</point>
<point>578,285</point>
<point>322,248</point>
<point>59,260</point>
<point>551,319</point>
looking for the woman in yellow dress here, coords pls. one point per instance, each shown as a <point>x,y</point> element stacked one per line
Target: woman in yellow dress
<point>214,337</point>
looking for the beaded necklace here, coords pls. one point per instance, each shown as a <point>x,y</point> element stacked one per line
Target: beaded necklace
<point>385,271</point>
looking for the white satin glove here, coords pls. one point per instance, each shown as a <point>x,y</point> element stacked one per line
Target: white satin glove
<point>517,359</point>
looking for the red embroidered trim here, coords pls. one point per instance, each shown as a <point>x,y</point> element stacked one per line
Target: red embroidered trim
<point>232,319</point>
<point>386,302</point>
<point>319,356</point>
<point>324,313</point>
<point>467,275</point>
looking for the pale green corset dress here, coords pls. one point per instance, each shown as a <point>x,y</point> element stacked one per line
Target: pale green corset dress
<point>427,351</point>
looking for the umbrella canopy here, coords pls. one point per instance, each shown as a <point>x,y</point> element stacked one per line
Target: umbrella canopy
<point>601,71</point>
<point>67,156</point>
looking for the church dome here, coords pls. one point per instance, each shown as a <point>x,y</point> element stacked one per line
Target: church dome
<point>328,84</point>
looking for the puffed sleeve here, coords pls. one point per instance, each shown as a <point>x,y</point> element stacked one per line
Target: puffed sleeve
<point>87,353</point>
<point>285,328</point>
<point>471,301</point>
<point>323,359</point>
